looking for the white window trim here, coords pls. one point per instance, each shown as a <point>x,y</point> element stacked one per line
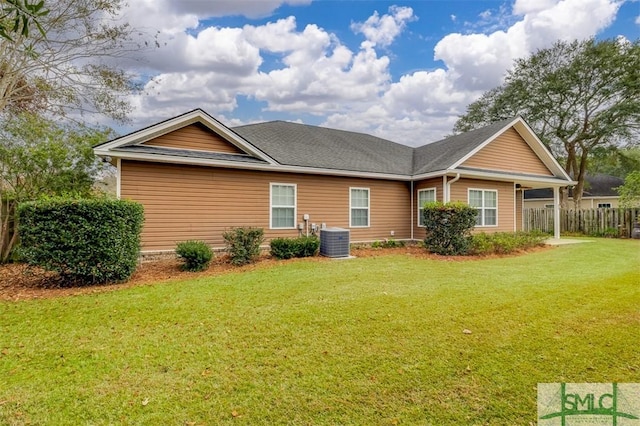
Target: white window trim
<point>483,207</point>
<point>271,205</point>
<point>435,198</point>
<point>368,225</point>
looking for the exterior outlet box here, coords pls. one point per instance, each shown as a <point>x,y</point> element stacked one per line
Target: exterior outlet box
<point>393,233</point>
<point>300,226</point>
<point>305,216</point>
<point>334,242</point>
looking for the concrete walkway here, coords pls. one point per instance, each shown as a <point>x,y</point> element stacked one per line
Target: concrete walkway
<point>563,241</point>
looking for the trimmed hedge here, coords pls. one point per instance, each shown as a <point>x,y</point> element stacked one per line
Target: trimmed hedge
<point>86,241</point>
<point>448,227</point>
<point>286,248</point>
<point>505,242</point>
<point>243,244</point>
<point>195,255</point>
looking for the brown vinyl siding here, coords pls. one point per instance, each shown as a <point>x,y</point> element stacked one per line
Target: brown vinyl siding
<point>506,217</point>
<point>197,137</point>
<point>192,202</point>
<point>508,152</point>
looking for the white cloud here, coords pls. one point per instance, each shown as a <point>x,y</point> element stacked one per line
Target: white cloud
<point>522,7</point>
<point>479,60</point>
<point>310,70</point>
<point>382,30</point>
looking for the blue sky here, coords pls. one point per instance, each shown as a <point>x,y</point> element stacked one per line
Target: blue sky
<point>402,70</point>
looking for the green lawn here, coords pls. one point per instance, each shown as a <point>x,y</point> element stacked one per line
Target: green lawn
<point>363,341</point>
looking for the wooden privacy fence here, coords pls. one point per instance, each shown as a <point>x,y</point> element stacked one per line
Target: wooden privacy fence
<point>609,222</point>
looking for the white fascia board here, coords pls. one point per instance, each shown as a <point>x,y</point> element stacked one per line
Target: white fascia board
<point>195,116</point>
<point>540,182</point>
<point>246,166</point>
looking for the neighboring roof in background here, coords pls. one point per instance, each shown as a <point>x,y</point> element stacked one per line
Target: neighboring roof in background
<point>598,185</point>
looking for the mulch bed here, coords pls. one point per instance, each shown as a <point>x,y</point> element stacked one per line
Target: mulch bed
<point>20,282</point>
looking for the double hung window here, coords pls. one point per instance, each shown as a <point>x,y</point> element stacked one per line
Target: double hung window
<point>283,206</point>
<point>486,202</point>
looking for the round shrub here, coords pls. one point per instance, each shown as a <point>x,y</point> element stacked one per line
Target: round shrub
<point>243,244</point>
<point>195,255</point>
<point>448,227</point>
<point>86,241</point>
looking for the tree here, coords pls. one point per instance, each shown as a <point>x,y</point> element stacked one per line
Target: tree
<point>16,17</point>
<point>74,67</point>
<point>615,162</point>
<point>39,157</point>
<point>630,190</point>
<point>577,96</point>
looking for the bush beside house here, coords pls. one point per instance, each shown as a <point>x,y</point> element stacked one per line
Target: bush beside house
<point>448,227</point>
<point>195,255</point>
<point>243,244</point>
<point>86,241</point>
<point>286,248</point>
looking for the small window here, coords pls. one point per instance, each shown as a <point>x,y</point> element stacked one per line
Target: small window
<point>486,202</point>
<point>604,205</point>
<point>359,207</point>
<point>548,206</point>
<point>424,196</point>
<point>283,206</point>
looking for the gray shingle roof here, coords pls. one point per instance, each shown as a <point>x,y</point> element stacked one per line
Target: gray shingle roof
<point>311,146</point>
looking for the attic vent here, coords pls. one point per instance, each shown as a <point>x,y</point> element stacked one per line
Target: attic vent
<point>334,242</point>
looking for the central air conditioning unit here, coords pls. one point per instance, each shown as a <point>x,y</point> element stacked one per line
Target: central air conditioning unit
<point>334,242</point>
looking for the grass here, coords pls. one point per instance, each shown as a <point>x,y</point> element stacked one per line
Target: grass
<point>363,341</point>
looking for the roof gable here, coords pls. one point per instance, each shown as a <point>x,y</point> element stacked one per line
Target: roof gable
<point>445,153</point>
<point>508,152</point>
<point>528,135</point>
<point>195,137</point>
<point>162,132</point>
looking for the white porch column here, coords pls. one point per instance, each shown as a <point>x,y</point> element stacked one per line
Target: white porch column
<point>556,212</point>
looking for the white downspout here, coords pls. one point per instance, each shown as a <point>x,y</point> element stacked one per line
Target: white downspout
<point>444,189</point>
<point>118,176</point>
<point>448,187</point>
<point>556,212</point>
<point>515,207</point>
<point>411,210</point>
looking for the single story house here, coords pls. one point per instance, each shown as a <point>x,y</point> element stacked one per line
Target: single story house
<point>197,178</point>
<point>600,192</point>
